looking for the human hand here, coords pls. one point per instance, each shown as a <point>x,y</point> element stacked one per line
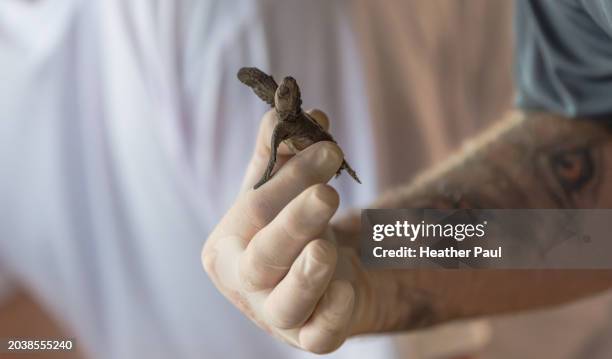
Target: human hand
<point>274,256</point>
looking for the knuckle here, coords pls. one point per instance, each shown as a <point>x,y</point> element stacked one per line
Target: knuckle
<point>305,169</point>
<point>303,282</point>
<point>331,152</point>
<point>258,210</point>
<point>309,216</point>
<point>317,265</point>
<point>248,274</point>
<point>280,319</point>
<point>259,271</point>
<point>265,260</point>
<point>295,229</point>
<point>322,251</point>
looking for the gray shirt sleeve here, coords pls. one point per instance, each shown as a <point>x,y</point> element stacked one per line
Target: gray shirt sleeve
<point>564,56</point>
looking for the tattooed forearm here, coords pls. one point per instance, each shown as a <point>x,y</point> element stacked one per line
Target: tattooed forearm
<point>527,161</point>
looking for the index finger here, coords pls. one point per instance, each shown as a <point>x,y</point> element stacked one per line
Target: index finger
<point>254,209</point>
<point>261,154</point>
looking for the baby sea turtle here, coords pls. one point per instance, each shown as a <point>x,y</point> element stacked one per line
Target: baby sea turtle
<point>297,128</point>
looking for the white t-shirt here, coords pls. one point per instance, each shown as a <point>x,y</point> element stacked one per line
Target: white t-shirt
<point>124,135</point>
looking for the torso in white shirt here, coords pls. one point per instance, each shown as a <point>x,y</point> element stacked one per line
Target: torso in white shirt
<point>124,135</point>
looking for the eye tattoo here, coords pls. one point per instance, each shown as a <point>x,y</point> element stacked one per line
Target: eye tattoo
<point>573,169</point>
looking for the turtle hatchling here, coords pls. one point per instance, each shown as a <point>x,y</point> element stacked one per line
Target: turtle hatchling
<point>295,127</point>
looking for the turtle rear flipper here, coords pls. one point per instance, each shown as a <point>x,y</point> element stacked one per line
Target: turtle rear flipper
<point>345,166</point>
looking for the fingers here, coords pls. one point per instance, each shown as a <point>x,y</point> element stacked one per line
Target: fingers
<point>328,327</point>
<point>295,297</point>
<point>272,250</point>
<point>261,154</point>
<point>264,254</point>
<point>256,208</point>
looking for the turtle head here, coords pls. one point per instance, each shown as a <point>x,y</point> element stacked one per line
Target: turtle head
<point>287,98</point>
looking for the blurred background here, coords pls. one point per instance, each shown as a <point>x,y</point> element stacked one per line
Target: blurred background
<point>453,79</point>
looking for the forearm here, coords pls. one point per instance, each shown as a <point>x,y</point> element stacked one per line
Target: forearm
<point>527,161</point>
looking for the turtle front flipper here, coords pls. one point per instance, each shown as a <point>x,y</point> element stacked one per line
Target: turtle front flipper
<point>281,132</point>
<point>262,84</point>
